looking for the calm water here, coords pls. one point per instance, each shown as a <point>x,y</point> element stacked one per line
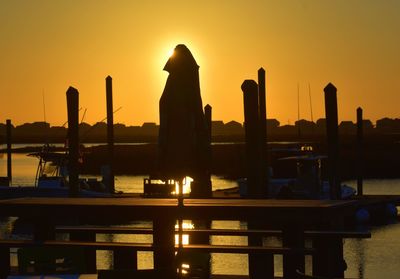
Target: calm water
<point>366,258</point>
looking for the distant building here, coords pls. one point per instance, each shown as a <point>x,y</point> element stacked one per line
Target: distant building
<point>233,128</point>
<point>34,126</point>
<point>388,125</point>
<point>84,128</point>
<point>272,126</point>
<point>305,127</point>
<point>217,128</point>
<point>368,127</point>
<point>287,130</point>
<point>347,128</point>
<point>320,126</point>
<point>119,126</point>
<point>149,129</point>
<point>149,125</point>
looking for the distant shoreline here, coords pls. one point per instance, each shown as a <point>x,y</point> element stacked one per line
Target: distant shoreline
<point>381,158</point>
<point>232,131</point>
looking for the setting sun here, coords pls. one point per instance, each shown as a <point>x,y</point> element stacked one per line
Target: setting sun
<point>170,52</point>
<point>44,51</point>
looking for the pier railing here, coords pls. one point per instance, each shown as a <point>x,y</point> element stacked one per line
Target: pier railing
<point>289,219</point>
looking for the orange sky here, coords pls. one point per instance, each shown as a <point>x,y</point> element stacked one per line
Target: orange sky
<point>48,45</point>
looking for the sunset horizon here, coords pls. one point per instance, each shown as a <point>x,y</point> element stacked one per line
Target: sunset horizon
<point>303,46</point>
<point>199,139</point>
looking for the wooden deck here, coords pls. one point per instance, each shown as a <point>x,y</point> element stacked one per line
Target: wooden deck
<point>292,217</point>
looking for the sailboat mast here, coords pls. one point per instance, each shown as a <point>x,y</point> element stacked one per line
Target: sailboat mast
<point>309,94</point>
<point>44,106</point>
<point>298,102</point>
<point>298,111</point>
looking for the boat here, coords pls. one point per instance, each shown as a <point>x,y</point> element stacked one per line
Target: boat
<point>52,179</point>
<point>307,184</point>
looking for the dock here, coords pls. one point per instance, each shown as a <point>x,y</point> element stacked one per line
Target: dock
<point>292,218</point>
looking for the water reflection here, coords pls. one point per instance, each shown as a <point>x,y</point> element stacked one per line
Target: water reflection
<point>229,263</point>
<point>186,225</point>
<point>366,258</point>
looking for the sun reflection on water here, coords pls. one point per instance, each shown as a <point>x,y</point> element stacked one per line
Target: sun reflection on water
<point>186,186</point>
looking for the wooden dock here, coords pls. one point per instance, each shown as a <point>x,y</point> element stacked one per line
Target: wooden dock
<point>291,217</point>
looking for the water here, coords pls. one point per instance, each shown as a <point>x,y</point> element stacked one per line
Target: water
<point>366,258</point>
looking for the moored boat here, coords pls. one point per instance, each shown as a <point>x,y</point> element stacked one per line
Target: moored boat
<point>52,179</point>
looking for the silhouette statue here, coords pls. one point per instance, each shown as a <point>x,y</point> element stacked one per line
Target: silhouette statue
<point>182,133</point>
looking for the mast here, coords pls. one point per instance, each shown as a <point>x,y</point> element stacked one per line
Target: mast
<point>298,111</point>
<point>44,106</point>
<point>309,94</point>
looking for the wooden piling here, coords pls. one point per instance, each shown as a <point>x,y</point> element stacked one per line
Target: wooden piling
<point>125,259</point>
<point>328,260</point>
<point>9,152</point>
<point>110,133</point>
<point>5,262</point>
<point>73,140</point>
<point>251,125</point>
<point>263,132</point>
<point>293,237</point>
<point>260,265</point>
<point>333,140</point>
<point>359,152</point>
<point>89,254</point>
<point>208,120</point>
<point>164,246</point>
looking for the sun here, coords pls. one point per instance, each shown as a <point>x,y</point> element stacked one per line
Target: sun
<point>171,52</point>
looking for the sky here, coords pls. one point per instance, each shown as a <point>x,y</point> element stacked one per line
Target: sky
<point>48,45</point>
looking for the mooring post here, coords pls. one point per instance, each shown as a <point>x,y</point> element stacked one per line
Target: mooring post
<point>110,134</point>
<point>125,258</point>
<point>263,132</point>
<point>261,265</point>
<point>331,113</point>
<point>328,260</point>
<point>89,254</point>
<point>208,120</point>
<point>360,151</point>
<point>251,125</point>
<point>9,152</point>
<point>293,237</point>
<point>164,246</point>
<point>4,262</point>
<point>73,140</point>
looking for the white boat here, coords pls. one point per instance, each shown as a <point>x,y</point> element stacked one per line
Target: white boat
<point>51,180</point>
<point>308,183</point>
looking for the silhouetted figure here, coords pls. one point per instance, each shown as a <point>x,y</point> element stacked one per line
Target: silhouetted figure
<point>183,132</point>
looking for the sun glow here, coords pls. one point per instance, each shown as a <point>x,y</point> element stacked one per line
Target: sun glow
<point>186,185</point>
<point>186,225</point>
<point>171,52</point>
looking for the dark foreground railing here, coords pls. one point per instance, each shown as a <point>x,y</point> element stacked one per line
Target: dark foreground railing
<point>291,220</point>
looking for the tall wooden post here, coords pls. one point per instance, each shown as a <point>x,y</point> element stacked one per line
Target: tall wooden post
<point>89,254</point>
<point>5,262</point>
<point>164,245</point>
<point>73,140</point>
<point>9,152</point>
<point>331,112</point>
<point>263,132</point>
<point>251,125</point>
<point>208,120</point>
<point>360,151</point>
<point>110,134</point>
